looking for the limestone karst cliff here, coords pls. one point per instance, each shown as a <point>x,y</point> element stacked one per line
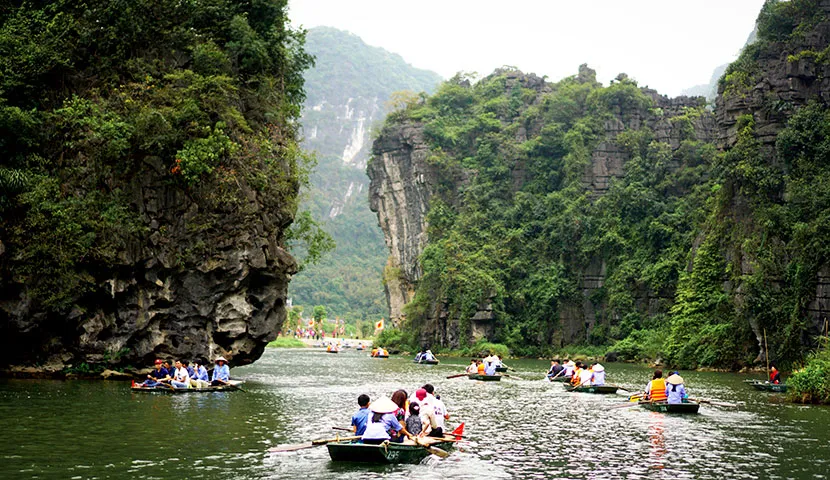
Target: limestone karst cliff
<point>149,175</point>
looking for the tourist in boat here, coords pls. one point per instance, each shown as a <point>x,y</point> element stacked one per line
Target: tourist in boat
<point>420,356</point>
<point>200,378</point>
<point>428,356</point>
<point>555,369</point>
<point>577,373</point>
<point>656,388</point>
<point>585,376</point>
<point>168,365</point>
<point>472,367</point>
<point>480,367</point>
<point>158,374</point>
<point>774,375</point>
<point>383,425</point>
<point>675,388</point>
<point>374,352</point>
<point>361,417</point>
<point>414,425</point>
<point>190,370</point>
<point>221,373</point>
<point>598,374</point>
<point>490,369</point>
<point>434,426</point>
<point>181,379</point>
<point>569,366</point>
<point>441,412</point>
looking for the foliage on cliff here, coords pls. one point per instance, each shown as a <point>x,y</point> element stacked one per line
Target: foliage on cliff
<point>723,244</point>
<point>95,95</point>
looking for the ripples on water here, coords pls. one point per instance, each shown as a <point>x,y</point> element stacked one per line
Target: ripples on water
<point>522,427</point>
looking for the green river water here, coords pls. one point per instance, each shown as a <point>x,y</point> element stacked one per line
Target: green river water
<point>521,427</point>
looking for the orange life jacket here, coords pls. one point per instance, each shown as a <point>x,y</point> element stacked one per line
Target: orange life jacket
<point>657,392</point>
<point>481,368</point>
<point>575,378</point>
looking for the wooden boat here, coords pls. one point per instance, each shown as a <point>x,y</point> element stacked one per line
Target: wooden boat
<point>168,389</point>
<point>426,362</point>
<point>560,378</point>
<point>353,451</point>
<point>332,351</point>
<point>602,389</point>
<point>484,378</point>
<point>501,369</point>
<point>379,356</point>
<point>663,407</point>
<point>769,387</point>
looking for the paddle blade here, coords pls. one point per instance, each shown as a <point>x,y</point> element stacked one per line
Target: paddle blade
<point>459,430</point>
<point>290,448</point>
<point>437,451</point>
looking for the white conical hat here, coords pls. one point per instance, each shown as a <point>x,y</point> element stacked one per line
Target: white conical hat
<point>384,405</point>
<point>675,379</point>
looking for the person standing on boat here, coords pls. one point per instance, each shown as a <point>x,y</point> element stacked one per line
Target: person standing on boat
<point>383,425</point>
<point>221,373</point>
<point>598,377</point>
<point>656,388</point>
<point>361,418</point>
<point>675,389</point>
<point>181,379</point>
<point>156,376</point>
<point>200,378</point>
<point>774,375</point>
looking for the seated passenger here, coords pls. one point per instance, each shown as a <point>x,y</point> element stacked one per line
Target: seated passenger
<point>480,367</point>
<point>361,418</point>
<point>413,423</point>
<point>429,356</point>
<point>181,379</point>
<point>472,367</point>
<point>656,388</point>
<point>383,425</point>
<point>156,376</point>
<point>599,374</point>
<point>490,369</point>
<point>675,388</point>
<point>200,377</point>
<point>585,376</point>
<point>221,373</point>
<point>774,375</point>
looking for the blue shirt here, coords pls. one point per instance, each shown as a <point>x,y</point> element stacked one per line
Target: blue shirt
<point>675,393</point>
<point>201,374</point>
<point>159,374</point>
<point>381,429</point>
<point>360,419</point>
<point>222,372</point>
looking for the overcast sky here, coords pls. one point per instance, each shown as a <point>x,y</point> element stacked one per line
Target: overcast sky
<point>665,44</point>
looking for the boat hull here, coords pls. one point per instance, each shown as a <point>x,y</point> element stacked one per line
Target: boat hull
<point>165,389</point>
<point>383,454</point>
<point>501,369</point>
<point>484,378</point>
<point>663,407</point>
<point>426,362</point>
<point>770,387</point>
<point>379,356</point>
<point>600,389</point>
<point>560,379</point>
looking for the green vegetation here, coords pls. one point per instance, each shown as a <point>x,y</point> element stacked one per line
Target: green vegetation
<point>811,384</point>
<point>97,97</point>
<point>287,342</point>
<point>698,249</point>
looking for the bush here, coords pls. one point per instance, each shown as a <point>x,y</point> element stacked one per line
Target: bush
<point>396,340</point>
<point>811,384</point>
<point>639,345</point>
<point>287,342</point>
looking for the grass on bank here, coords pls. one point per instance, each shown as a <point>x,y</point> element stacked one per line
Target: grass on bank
<point>287,342</point>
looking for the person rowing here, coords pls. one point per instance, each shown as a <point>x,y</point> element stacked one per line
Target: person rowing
<point>472,367</point>
<point>598,374</point>
<point>555,369</point>
<point>221,373</point>
<point>774,375</point>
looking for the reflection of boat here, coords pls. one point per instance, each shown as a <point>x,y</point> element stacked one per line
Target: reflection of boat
<point>169,389</point>
<point>484,378</point>
<point>426,362</point>
<point>560,379</point>
<point>769,387</point>
<point>387,452</point>
<point>663,407</point>
<point>603,389</point>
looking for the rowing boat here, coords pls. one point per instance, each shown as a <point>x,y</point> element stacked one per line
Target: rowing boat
<point>560,379</point>
<point>379,356</point>
<point>426,362</point>
<point>664,407</point>
<point>769,387</point>
<point>484,378</point>
<point>387,452</point>
<point>501,369</point>
<point>602,389</point>
<point>234,385</point>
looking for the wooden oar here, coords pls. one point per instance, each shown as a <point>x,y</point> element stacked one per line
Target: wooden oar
<point>433,450</point>
<point>560,373</point>
<point>313,443</point>
<point>236,387</point>
<point>459,375</point>
<point>342,429</point>
<point>717,404</point>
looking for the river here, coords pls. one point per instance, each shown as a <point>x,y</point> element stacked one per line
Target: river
<point>521,427</point>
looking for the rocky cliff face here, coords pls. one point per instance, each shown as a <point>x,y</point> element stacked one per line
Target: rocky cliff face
<point>403,182</point>
<point>206,280</point>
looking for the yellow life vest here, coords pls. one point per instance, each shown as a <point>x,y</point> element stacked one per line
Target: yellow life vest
<point>481,368</point>
<point>657,392</point>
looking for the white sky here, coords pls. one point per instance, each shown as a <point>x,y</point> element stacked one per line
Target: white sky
<point>668,45</point>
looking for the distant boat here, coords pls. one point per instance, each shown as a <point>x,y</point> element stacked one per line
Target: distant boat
<point>166,388</point>
<point>769,387</point>
<point>426,362</point>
